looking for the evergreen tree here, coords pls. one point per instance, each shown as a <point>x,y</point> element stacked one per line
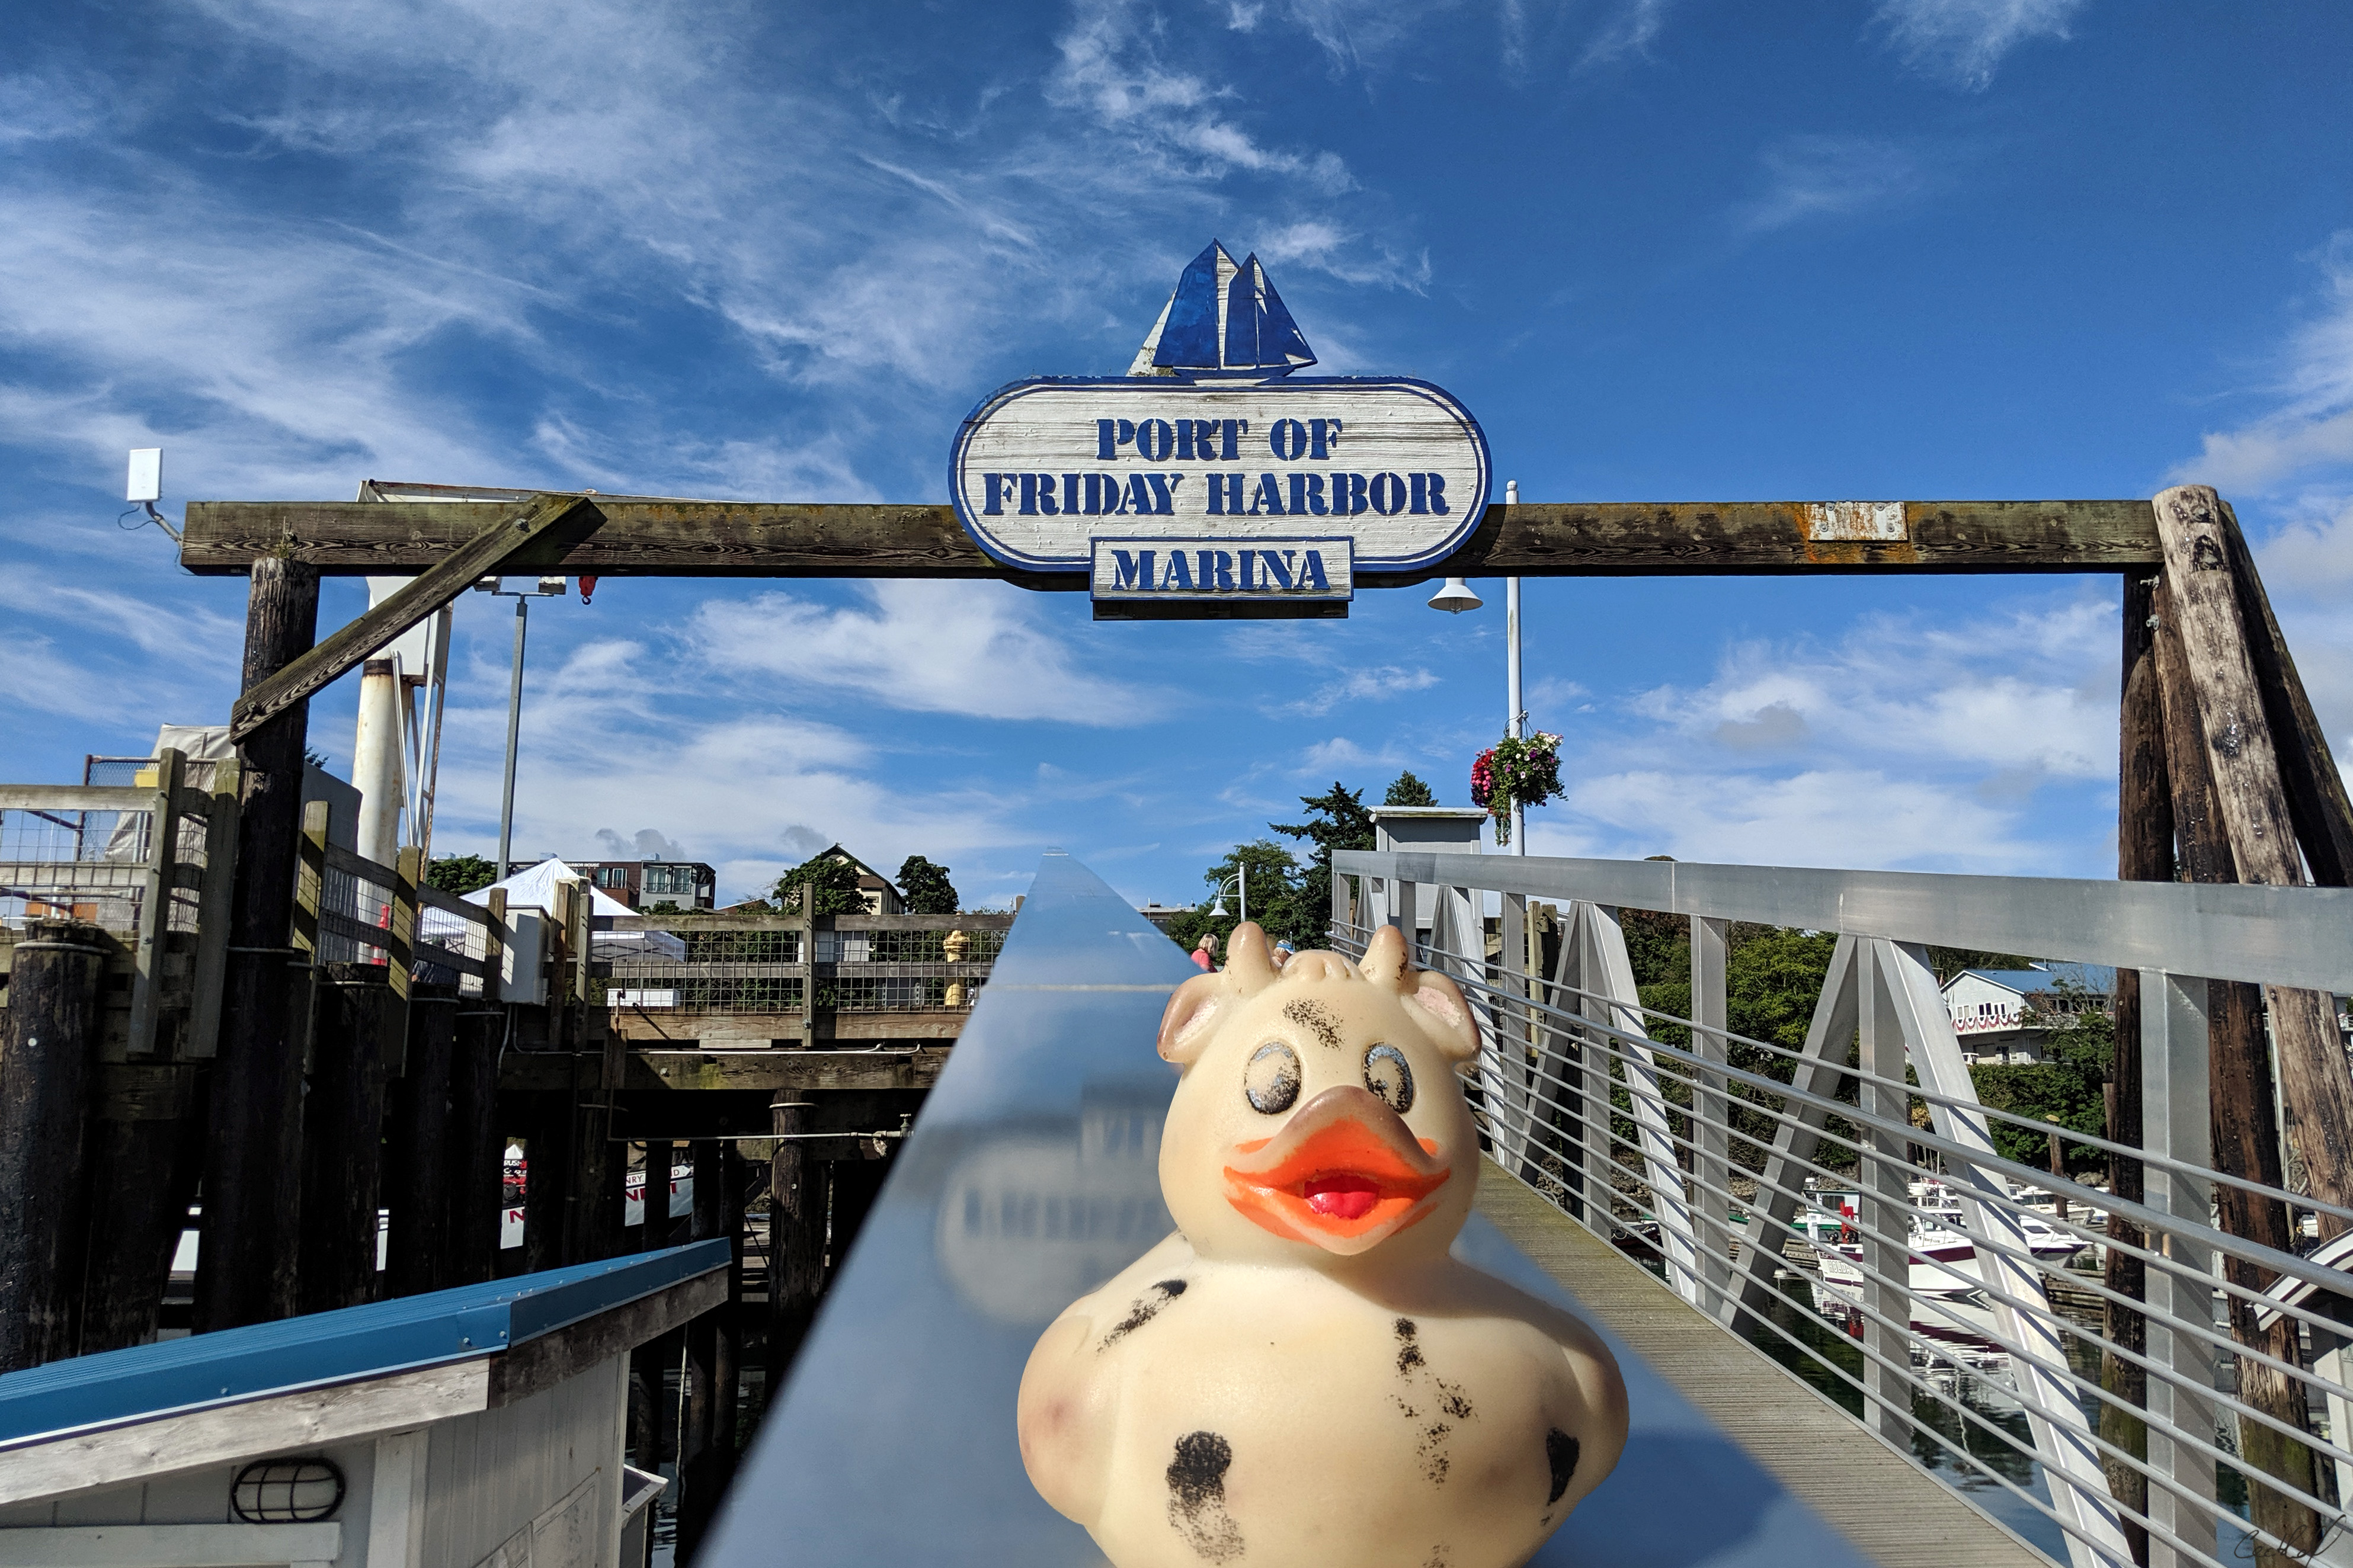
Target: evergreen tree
<point>832,883</point>
<point>1335,821</point>
<point>1409,791</point>
<point>460,873</point>
<point>924,886</point>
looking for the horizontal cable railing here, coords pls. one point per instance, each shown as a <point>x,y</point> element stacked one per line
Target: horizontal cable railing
<point>1845,1207</point>
<point>892,963</point>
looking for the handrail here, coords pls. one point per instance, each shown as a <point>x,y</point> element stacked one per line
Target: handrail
<point>2298,937</point>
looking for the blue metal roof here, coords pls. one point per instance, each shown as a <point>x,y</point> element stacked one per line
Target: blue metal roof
<point>348,1346</point>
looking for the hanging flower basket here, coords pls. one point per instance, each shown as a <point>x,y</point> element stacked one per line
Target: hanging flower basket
<point>1521,770</point>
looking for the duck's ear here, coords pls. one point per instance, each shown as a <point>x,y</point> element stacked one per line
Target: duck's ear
<point>1437,1002</point>
<point>1191,1018</point>
<point>1385,963</point>
<point>1249,963</point>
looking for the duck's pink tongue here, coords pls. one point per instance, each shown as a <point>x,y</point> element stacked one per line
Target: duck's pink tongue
<point>1342,1197</point>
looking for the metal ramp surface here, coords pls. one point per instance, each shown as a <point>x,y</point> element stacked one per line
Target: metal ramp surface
<point>1032,1177</point>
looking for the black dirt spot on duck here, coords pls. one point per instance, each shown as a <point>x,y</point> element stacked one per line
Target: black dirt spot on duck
<point>1197,1497</point>
<point>1409,1359</point>
<point>1312,1018</point>
<point>1560,1453</point>
<point>1142,1310</point>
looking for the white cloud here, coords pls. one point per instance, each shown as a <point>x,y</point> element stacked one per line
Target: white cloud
<point>2310,426</point>
<point>1966,39</point>
<point>970,648</point>
<point>1840,817</point>
<point>1828,176</point>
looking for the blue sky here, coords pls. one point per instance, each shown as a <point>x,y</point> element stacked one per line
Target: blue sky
<point>1665,250</point>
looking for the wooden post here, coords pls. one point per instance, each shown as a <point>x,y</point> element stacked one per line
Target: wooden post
<point>795,1238</point>
<point>142,1176</point>
<point>2245,1133</point>
<point>656,1236</point>
<point>49,1045</point>
<point>426,1163</point>
<point>342,1175</point>
<point>703,1443</point>
<point>2317,799</point>
<point>2202,592</point>
<point>2144,854</point>
<point>547,1181</point>
<point>252,1198</point>
<point>478,1150</point>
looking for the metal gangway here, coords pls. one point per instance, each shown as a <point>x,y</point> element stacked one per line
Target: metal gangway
<point>1032,1177</point>
<point>2188,1408</point>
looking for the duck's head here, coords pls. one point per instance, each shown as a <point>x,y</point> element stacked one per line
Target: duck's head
<point>1319,1116</point>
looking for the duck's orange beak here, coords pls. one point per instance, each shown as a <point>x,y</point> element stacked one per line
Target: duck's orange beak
<point>1345,1173</point>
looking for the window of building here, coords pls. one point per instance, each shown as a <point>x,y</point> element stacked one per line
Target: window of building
<point>612,875</point>
<point>670,879</point>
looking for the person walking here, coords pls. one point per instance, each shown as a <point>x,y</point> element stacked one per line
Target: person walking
<point>1205,951</point>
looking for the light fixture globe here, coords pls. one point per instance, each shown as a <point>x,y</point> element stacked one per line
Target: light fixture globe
<point>1455,597</point>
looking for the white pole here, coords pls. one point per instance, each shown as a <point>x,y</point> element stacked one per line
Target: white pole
<point>1241,881</point>
<point>376,760</point>
<point>1516,718</point>
<point>515,736</point>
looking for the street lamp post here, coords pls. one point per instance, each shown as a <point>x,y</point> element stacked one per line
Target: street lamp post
<point>1456,596</point>
<point>1240,880</point>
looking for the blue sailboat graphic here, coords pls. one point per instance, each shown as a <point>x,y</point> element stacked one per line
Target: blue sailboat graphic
<point>1224,322</point>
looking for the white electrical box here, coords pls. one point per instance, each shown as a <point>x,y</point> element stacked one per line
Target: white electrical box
<point>146,475</point>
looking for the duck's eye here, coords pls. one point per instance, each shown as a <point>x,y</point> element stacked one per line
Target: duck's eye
<point>1387,1075</point>
<point>1271,1081</point>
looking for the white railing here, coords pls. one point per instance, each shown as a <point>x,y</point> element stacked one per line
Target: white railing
<point>1942,1268</point>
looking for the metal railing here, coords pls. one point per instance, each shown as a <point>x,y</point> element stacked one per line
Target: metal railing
<point>149,860</point>
<point>735,965</point>
<point>2189,1407</point>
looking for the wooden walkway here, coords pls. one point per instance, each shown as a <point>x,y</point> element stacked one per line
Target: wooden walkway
<point>1893,1511</point>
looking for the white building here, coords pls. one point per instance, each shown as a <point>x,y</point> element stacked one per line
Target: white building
<point>2006,1015</point>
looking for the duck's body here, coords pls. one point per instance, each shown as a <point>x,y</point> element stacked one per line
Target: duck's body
<point>1304,1376</point>
<point>1278,1415</point>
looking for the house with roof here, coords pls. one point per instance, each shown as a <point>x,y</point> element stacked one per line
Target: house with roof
<point>2006,1015</point>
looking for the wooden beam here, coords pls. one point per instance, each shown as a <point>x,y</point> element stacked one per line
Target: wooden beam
<point>638,538</point>
<point>549,521</point>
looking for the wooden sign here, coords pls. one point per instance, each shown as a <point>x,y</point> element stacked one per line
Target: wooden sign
<point>1211,452</point>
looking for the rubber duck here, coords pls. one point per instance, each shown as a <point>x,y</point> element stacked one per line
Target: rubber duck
<point>1303,1374</point>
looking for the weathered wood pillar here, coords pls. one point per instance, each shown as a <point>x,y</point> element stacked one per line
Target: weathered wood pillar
<point>146,1146</point>
<point>2246,1141</point>
<point>342,1180</point>
<point>547,1181</point>
<point>2144,854</point>
<point>424,1157</point>
<point>656,1233</point>
<point>856,1184</point>
<point>49,1047</point>
<point>705,1444</point>
<point>478,1147</point>
<point>2247,763</point>
<point>796,1237</point>
<point>252,1188</point>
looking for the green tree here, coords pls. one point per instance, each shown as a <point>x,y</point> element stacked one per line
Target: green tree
<point>831,880</point>
<point>460,873</point>
<point>2067,1086</point>
<point>1335,821</point>
<point>924,886</point>
<point>1409,791</point>
<point>1276,902</point>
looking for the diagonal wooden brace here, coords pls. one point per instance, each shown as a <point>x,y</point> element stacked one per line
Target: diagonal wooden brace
<point>480,556</point>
